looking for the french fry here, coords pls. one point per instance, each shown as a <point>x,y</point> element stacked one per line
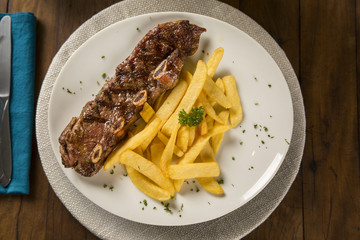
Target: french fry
<point>171,102</point>
<point>183,138</point>
<point>132,143</point>
<point>214,61</point>
<point>146,186</point>
<point>217,139</point>
<point>209,183</point>
<point>164,139</point>
<point>192,135</point>
<point>194,170</point>
<point>215,93</point>
<point>192,93</point>
<point>193,152</point>
<point>209,122</point>
<point>186,75</point>
<point>148,169</point>
<point>167,155</point>
<point>156,150</point>
<point>203,129</point>
<point>220,84</point>
<point>208,108</point>
<point>236,114</point>
<point>147,112</point>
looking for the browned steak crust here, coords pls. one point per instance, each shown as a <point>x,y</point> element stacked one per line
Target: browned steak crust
<point>152,68</point>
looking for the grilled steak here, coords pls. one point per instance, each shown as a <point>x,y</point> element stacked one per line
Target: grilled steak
<point>152,68</point>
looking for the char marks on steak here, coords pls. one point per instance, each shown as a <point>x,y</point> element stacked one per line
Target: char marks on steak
<point>152,68</point>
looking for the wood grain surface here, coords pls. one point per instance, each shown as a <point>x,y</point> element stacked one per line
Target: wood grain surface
<point>321,40</point>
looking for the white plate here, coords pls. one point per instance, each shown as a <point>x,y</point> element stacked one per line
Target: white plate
<point>255,163</point>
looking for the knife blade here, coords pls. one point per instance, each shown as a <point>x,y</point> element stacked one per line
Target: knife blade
<point>5,81</point>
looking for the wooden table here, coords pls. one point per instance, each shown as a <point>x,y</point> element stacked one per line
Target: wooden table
<point>321,39</point>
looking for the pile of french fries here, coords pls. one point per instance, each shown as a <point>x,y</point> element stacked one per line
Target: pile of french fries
<point>160,153</point>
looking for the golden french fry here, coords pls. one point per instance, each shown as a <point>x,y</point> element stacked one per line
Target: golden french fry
<point>209,122</point>
<point>147,186</point>
<point>193,152</point>
<point>133,143</point>
<point>183,138</point>
<point>194,170</point>
<point>148,169</point>
<point>195,149</point>
<point>167,155</point>
<point>215,94</point>
<point>217,139</point>
<point>147,112</point>
<point>171,102</point>
<point>207,153</point>
<point>164,139</point>
<point>186,75</point>
<point>210,185</point>
<point>156,150</point>
<point>220,84</point>
<point>208,108</point>
<point>236,114</point>
<point>192,135</point>
<point>203,129</point>
<point>214,61</point>
<point>189,98</point>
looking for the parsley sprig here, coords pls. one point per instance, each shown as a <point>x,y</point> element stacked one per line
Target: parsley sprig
<point>193,118</point>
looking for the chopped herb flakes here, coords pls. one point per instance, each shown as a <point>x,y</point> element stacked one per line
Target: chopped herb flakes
<point>256,104</point>
<point>255,126</point>
<point>221,181</point>
<point>125,174</point>
<point>167,209</point>
<point>145,202</point>
<point>98,83</point>
<point>269,85</point>
<point>244,131</point>
<point>87,160</point>
<point>262,142</point>
<point>102,57</point>
<point>154,208</point>
<point>287,141</point>
<point>105,186</point>
<point>111,188</point>
<point>197,189</point>
<point>241,143</point>
<point>112,171</point>
<point>103,75</point>
<point>138,29</point>
<point>233,158</point>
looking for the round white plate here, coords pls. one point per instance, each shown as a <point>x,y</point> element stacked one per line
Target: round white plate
<point>250,154</point>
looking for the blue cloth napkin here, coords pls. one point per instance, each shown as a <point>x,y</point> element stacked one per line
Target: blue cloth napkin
<point>23,34</point>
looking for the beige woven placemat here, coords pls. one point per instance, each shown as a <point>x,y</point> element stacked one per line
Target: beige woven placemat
<point>231,226</point>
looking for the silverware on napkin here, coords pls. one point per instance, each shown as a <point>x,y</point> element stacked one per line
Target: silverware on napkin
<point>5,80</point>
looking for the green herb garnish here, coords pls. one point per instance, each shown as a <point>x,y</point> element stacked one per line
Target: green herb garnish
<point>193,118</point>
<point>221,181</point>
<point>112,171</point>
<point>145,202</point>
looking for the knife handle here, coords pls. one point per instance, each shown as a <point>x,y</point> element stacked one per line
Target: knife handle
<point>5,144</point>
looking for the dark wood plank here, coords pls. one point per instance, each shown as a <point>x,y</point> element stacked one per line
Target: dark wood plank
<point>3,6</point>
<point>281,19</point>
<point>331,161</point>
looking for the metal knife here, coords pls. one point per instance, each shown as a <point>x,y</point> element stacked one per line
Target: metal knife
<point>5,80</point>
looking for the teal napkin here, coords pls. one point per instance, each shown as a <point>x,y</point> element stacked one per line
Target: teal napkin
<point>23,33</point>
